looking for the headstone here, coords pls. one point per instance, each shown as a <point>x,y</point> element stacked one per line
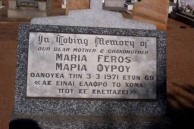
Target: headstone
<point>27,3</point>
<point>117,5</point>
<point>114,3</point>
<point>27,8</point>
<point>88,74</point>
<point>152,11</point>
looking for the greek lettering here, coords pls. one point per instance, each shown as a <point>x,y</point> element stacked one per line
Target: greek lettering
<point>112,68</point>
<point>93,84</point>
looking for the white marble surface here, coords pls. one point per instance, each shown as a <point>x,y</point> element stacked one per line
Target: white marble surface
<point>91,66</point>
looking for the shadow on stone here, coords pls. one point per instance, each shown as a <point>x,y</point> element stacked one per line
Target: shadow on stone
<point>180,107</point>
<point>23,124</point>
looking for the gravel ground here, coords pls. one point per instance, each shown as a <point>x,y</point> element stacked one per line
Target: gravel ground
<point>180,73</point>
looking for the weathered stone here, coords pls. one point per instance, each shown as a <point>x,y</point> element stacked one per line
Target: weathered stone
<point>114,3</point>
<point>42,5</point>
<point>152,11</point>
<point>64,113</point>
<point>60,113</point>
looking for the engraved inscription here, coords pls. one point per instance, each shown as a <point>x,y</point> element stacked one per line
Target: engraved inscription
<point>91,66</point>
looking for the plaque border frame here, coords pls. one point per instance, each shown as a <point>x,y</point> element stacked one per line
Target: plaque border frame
<point>135,107</point>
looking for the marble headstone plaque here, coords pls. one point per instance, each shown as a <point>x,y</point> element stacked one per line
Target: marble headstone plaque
<point>37,53</point>
<point>27,3</point>
<point>107,111</point>
<point>91,66</point>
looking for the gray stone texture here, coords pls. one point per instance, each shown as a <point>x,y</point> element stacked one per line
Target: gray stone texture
<point>93,17</point>
<point>63,113</point>
<point>55,113</point>
<point>114,3</point>
<point>42,5</point>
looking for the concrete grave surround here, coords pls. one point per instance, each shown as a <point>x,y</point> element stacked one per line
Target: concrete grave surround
<point>152,11</point>
<point>63,113</point>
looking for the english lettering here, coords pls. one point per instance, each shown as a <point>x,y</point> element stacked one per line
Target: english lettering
<point>62,40</point>
<point>66,57</point>
<point>70,67</point>
<point>114,59</point>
